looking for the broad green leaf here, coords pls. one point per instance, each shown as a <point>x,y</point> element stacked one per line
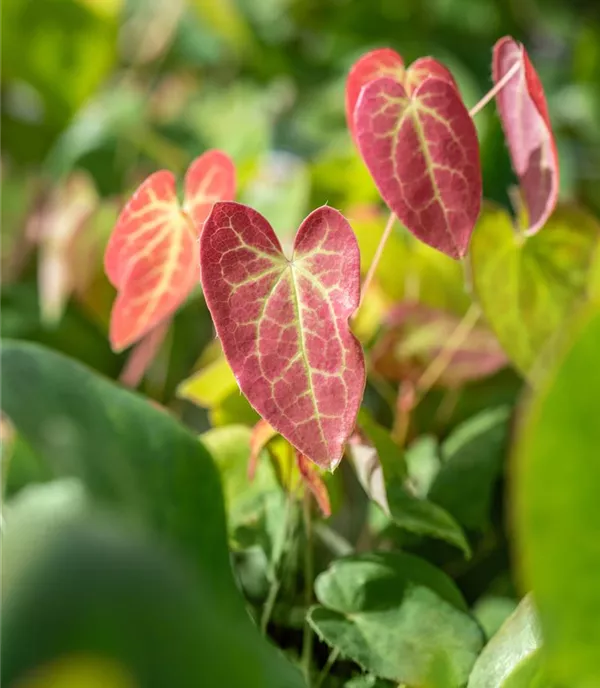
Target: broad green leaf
<point>555,478</point>
<point>397,616</point>
<point>472,461</point>
<point>94,588</point>
<point>407,510</point>
<point>492,611</point>
<point>130,455</point>
<point>516,640</point>
<point>527,288</point>
<point>230,448</point>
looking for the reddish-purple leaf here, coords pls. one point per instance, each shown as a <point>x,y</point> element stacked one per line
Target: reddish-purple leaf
<point>283,323</point>
<point>313,481</point>
<point>423,154</point>
<point>524,115</point>
<point>416,335</point>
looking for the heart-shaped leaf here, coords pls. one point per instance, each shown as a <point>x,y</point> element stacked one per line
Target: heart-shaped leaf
<point>397,616</point>
<point>524,115</point>
<point>527,288</point>
<point>151,257</point>
<point>385,62</point>
<point>422,151</point>
<point>555,476</point>
<point>283,323</point>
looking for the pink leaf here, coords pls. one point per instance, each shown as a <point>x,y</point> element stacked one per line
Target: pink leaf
<point>283,324</point>
<point>416,335</point>
<point>524,115</point>
<point>314,482</point>
<point>423,154</point>
<point>210,178</point>
<point>143,354</point>
<point>262,434</point>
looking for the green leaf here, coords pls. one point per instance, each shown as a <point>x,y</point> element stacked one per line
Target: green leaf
<point>397,616</point>
<point>132,456</point>
<point>93,588</point>
<point>472,461</point>
<point>492,611</point>
<point>556,474</point>
<point>528,287</point>
<point>518,637</point>
<point>406,509</point>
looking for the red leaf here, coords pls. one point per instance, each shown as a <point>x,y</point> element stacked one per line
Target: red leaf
<point>524,114</point>
<point>151,256</point>
<point>371,66</point>
<point>314,482</point>
<point>416,336</point>
<point>423,154</point>
<point>385,62</point>
<point>283,324</point>
<point>210,178</point>
<point>262,434</point>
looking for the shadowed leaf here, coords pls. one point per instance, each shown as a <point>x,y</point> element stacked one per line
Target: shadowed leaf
<point>524,115</point>
<point>423,154</point>
<point>313,481</point>
<point>283,324</point>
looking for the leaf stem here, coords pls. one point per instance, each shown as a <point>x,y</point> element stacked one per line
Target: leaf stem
<point>309,571</point>
<point>497,88</point>
<point>331,660</point>
<point>377,257</point>
<point>441,361</point>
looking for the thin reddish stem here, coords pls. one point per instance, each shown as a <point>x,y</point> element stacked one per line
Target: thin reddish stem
<point>497,88</point>
<point>376,258</point>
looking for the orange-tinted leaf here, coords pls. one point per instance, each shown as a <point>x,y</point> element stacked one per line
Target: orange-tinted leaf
<point>416,335</point>
<point>422,151</point>
<point>151,257</point>
<point>210,178</point>
<point>283,323</point>
<point>158,280</point>
<point>524,115</point>
<point>262,434</point>
<point>313,481</point>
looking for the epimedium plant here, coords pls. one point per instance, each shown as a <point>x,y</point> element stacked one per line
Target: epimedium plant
<point>290,338</point>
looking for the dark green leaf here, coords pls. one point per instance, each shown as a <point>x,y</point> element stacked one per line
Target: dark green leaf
<point>398,617</point>
<point>472,461</point>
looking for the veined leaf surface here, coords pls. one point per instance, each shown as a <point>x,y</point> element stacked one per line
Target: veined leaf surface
<point>385,62</point>
<point>283,323</point>
<point>422,152</point>
<point>151,257</point>
<point>524,116</point>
